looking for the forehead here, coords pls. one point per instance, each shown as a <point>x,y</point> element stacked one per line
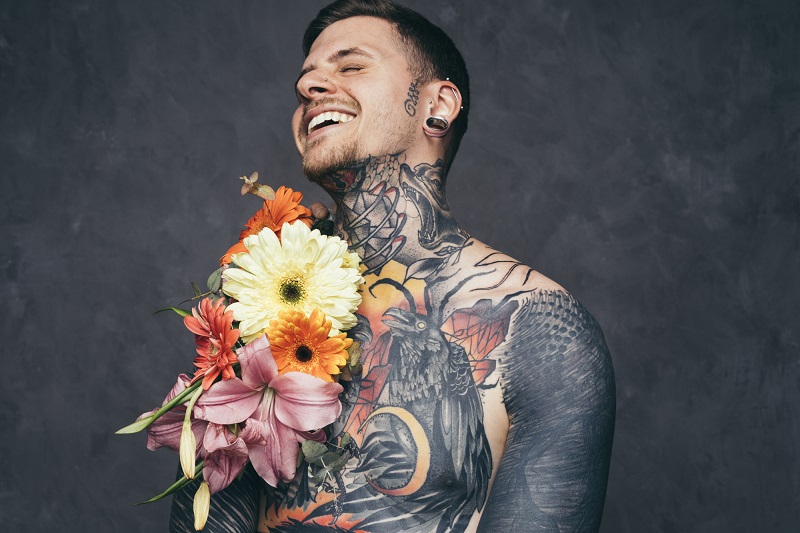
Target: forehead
<point>373,35</point>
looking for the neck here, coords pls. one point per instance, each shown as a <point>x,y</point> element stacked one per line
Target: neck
<point>388,209</point>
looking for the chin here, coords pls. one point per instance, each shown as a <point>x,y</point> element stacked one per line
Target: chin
<point>320,163</point>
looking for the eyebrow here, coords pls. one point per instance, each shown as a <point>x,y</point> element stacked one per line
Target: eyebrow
<point>337,56</point>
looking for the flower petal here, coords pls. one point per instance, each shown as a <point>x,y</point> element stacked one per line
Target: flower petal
<point>258,365</point>
<point>305,402</point>
<point>226,460</point>
<point>227,402</point>
<point>166,431</point>
<point>272,447</point>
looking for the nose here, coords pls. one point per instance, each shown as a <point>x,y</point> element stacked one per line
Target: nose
<point>315,84</point>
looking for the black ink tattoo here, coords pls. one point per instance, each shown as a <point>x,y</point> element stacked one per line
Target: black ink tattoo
<point>421,459</point>
<point>233,509</point>
<point>413,98</point>
<point>559,394</point>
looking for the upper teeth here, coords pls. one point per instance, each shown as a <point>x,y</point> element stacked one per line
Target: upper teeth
<point>335,116</point>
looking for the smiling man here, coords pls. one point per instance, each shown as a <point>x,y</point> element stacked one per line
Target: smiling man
<point>486,400</point>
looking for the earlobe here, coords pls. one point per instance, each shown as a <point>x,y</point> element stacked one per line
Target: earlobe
<point>436,126</point>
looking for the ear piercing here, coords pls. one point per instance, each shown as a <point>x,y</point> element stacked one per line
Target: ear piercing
<point>436,126</point>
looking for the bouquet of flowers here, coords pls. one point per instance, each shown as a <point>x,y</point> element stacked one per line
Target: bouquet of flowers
<point>272,345</point>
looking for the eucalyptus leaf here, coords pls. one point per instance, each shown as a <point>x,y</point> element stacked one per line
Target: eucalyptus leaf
<point>328,459</point>
<point>346,438</point>
<point>313,450</point>
<point>215,280</point>
<point>339,463</point>
<point>320,476</point>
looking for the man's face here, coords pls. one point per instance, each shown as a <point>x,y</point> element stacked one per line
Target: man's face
<point>352,93</point>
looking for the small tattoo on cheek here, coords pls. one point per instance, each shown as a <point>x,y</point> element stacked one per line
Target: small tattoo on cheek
<point>413,98</point>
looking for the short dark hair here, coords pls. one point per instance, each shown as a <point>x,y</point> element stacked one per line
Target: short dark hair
<point>431,54</point>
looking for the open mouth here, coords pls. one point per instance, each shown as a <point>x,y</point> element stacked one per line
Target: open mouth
<point>329,118</point>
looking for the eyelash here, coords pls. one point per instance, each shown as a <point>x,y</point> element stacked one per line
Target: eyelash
<point>350,67</point>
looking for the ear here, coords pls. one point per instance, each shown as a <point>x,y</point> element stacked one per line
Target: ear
<point>444,100</point>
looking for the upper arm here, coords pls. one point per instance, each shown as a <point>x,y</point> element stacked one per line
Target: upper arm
<point>559,394</point>
<point>233,510</point>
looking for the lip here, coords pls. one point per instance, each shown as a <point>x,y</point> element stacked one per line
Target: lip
<point>308,117</point>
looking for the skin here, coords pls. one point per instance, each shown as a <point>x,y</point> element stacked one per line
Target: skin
<point>486,401</point>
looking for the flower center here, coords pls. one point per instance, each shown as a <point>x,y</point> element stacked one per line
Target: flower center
<point>303,353</point>
<point>292,290</point>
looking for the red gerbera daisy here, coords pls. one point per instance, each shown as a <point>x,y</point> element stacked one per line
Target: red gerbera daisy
<point>215,338</point>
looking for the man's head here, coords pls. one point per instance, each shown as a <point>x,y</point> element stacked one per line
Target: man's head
<point>385,69</point>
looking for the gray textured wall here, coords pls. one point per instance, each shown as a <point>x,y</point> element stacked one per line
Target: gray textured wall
<point>642,153</point>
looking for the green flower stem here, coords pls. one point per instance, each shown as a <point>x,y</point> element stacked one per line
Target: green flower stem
<point>145,423</point>
<point>178,485</point>
<point>187,418</point>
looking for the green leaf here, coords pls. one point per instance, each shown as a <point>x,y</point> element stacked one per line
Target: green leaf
<point>334,461</point>
<point>346,438</point>
<point>179,399</point>
<point>313,450</point>
<point>137,426</point>
<point>320,476</point>
<point>176,309</point>
<point>196,289</point>
<point>214,282</point>
<point>178,485</point>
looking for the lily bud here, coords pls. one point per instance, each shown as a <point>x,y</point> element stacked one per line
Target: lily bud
<point>188,449</point>
<point>201,506</point>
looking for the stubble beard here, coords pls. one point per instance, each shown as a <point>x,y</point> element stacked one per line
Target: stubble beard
<point>328,161</point>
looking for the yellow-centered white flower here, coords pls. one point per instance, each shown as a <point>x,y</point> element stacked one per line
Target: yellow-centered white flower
<point>302,270</point>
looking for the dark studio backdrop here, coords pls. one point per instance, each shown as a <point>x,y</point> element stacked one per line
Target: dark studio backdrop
<point>642,153</point>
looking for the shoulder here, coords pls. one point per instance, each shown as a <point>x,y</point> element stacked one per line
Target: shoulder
<point>556,356</point>
<point>553,348</point>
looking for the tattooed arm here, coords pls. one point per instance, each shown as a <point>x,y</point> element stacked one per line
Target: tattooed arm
<point>233,510</point>
<point>559,395</point>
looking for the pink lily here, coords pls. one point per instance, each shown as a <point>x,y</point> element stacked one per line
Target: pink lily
<point>166,431</point>
<point>278,411</point>
<point>225,456</point>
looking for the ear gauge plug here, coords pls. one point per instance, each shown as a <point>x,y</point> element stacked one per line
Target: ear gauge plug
<point>436,126</point>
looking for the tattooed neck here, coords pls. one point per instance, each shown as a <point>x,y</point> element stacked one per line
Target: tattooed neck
<point>387,209</point>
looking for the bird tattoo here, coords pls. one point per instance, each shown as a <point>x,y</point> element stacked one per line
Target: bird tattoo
<point>424,445</point>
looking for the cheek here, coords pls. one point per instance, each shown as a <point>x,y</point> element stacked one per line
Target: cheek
<point>297,118</point>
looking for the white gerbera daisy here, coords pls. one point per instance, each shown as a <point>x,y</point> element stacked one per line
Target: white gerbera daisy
<point>302,270</point>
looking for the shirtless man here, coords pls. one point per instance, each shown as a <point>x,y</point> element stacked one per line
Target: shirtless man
<point>486,401</point>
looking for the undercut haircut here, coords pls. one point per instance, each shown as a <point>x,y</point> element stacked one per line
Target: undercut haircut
<point>430,53</point>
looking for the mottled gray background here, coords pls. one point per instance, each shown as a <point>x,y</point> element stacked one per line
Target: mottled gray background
<point>642,153</point>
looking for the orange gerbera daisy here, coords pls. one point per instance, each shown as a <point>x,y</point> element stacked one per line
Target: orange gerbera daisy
<point>284,208</point>
<point>215,339</point>
<point>301,344</point>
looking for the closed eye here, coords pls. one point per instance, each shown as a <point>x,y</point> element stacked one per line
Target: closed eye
<point>351,68</point>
